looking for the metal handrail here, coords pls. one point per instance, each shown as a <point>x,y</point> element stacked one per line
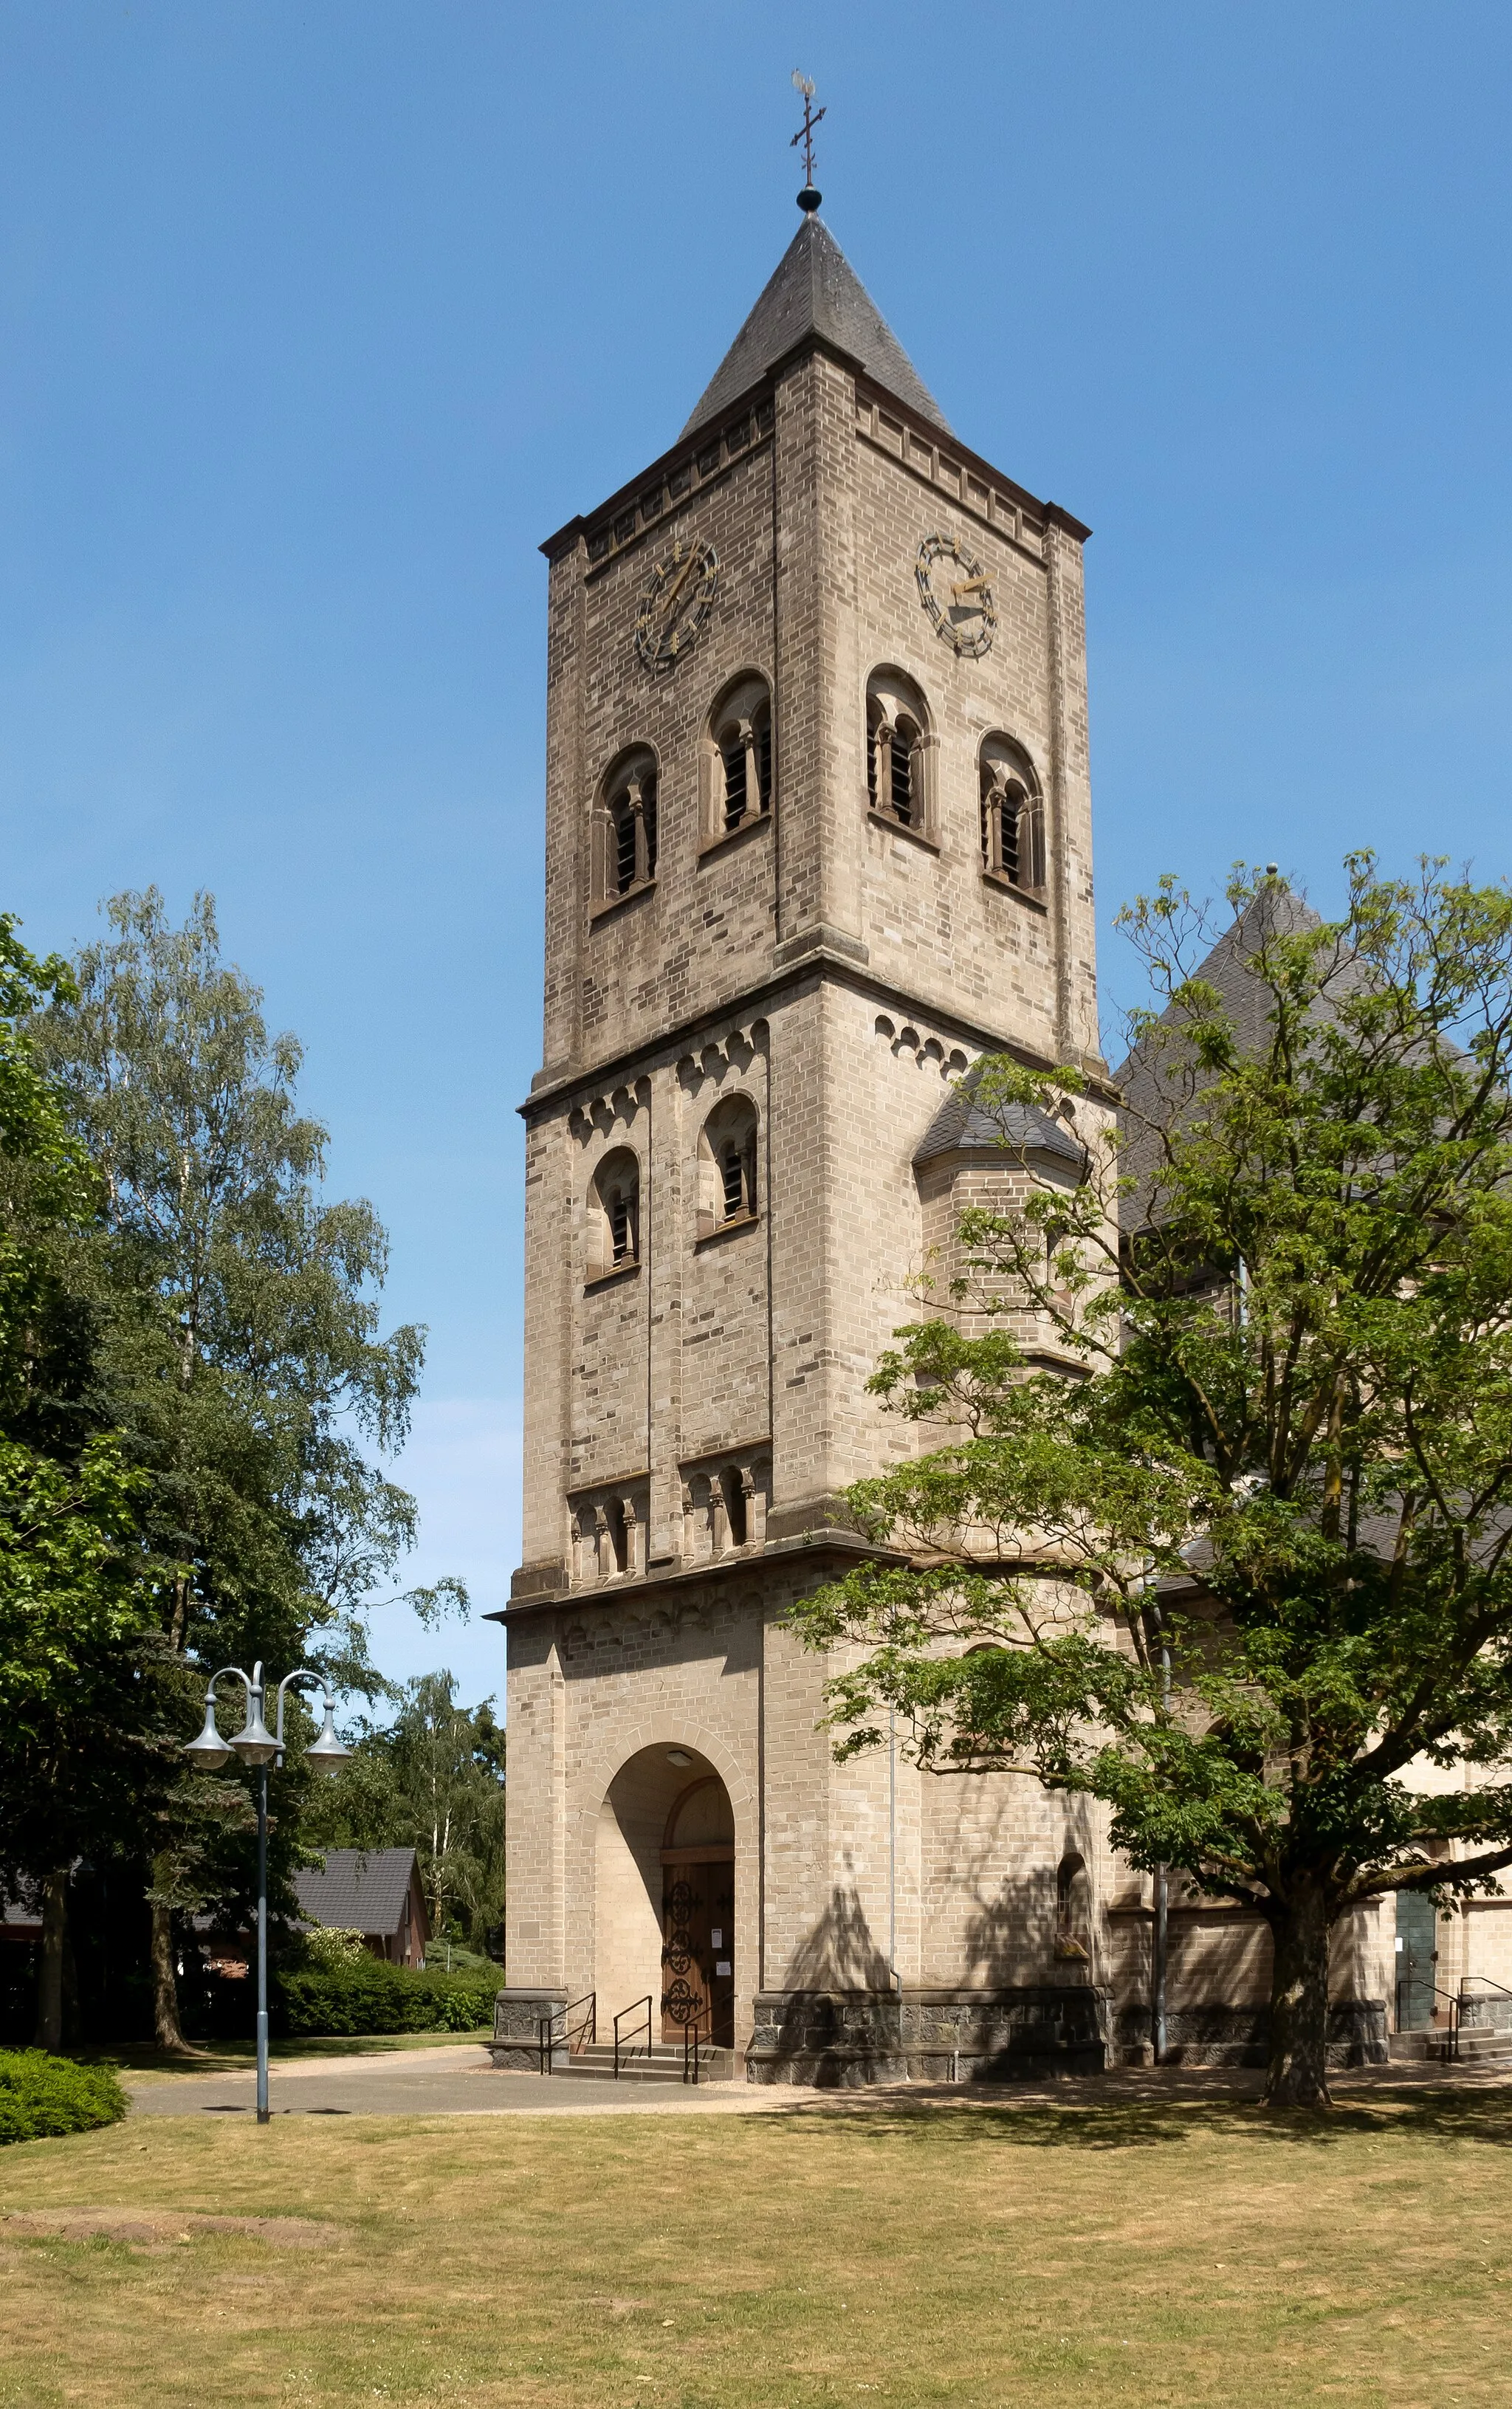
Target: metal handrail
<point>634,2009</point>
<point>1414,1982</point>
<point>553,2027</point>
<point>690,2041</point>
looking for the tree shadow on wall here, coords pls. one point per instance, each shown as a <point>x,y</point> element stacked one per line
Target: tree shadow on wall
<point>837,2023</point>
<point>1010,1933</point>
<point>840,1954</point>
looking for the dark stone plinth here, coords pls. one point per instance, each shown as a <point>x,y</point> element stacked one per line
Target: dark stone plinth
<point>515,2047</point>
<point>846,2040</point>
<point>1217,2034</point>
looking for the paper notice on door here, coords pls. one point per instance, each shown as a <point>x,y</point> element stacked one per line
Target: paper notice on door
<point>722,1965</point>
<point>717,1939</point>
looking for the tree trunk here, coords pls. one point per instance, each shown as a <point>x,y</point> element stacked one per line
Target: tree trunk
<point>50,1973</point>
<point>73,2021</point>
<point>167,2030</point>
<point>1298,2075</point>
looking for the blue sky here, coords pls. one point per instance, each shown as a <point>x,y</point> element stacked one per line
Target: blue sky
<point>316,320</point>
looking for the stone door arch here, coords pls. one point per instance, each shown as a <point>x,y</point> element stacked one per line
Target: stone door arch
<point>664,1886</point>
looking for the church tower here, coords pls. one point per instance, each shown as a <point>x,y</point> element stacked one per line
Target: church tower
<point>818,835</point>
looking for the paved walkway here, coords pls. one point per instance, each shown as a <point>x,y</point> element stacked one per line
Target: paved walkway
<point>459,2081</point>
<point>462,2081</point>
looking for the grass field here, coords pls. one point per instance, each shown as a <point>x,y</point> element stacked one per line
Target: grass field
<point>1001,2256</point>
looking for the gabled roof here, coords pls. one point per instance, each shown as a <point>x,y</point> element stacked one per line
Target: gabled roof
<point>361,1890</point>
<point>816,291</point>
<point>1153,1076</point>
<point>962,1127</point>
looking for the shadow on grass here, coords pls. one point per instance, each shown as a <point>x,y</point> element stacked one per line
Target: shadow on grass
<point>1131,2125</point>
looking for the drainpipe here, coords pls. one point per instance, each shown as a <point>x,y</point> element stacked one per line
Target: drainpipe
<point>1158,1951</point>
<point>892,1849</point>
<point>892,1869</point>
<point>1158,1968</point>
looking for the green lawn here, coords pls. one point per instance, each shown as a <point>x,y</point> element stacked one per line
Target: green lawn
<point>1001,2256</point>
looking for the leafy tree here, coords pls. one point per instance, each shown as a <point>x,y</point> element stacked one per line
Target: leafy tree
<point>1279,1486</point>
<point>240,1350</point>
<point>77,1701</point>
<point>432,1779</point>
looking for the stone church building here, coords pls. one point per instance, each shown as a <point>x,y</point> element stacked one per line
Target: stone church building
<point>818,835</point>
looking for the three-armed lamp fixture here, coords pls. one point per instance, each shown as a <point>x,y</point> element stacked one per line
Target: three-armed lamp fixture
<point>259,1748</point>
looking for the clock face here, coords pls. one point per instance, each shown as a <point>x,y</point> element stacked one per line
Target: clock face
<point>677,599</point>
<point>955,591</point>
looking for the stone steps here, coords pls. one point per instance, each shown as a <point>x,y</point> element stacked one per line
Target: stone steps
<point>661,2063</point>
<point>1480,2045</point>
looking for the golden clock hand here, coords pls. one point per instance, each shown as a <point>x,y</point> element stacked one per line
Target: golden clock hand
<point>676,586</point>
<point>973,585</point>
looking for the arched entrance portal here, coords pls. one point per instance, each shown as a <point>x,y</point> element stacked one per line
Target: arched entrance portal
<point>665,1881</point>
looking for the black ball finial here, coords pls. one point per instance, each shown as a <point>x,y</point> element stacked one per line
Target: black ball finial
<point>809,200</point>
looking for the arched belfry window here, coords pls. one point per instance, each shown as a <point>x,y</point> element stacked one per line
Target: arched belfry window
<point>738,759</point>
<point>625,827</point>
<point>615,1215</point>
<point>727,1170</point>
<point>1012,816</point>
<point>899,752</point>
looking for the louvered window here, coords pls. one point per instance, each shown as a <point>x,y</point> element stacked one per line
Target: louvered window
<point>904,743</point>
<point>732,1171</point>
<point>732,755</point>
<point>632,815</point>
<point>745,773</point>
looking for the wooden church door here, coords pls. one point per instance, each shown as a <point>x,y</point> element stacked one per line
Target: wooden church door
<point>697,1951</point>
<point>697,1914</point>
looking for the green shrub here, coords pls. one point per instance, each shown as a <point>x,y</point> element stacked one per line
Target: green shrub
<point>334,1944</point>
<point>365,1995</point>
<point>41,2094</point>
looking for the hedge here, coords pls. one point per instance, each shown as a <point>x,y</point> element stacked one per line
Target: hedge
<point>41,2094</point>
<point>365,1994</point>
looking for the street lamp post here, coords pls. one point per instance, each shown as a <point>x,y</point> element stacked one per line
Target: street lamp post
<point>259,1748</point>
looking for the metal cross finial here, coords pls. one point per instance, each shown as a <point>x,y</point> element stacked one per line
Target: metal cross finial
<point>809,198</point>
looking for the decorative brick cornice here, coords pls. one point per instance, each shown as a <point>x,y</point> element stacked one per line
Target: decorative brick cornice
<point>810,955</point>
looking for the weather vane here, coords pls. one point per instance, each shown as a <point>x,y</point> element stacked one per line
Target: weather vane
<point>808,198</point>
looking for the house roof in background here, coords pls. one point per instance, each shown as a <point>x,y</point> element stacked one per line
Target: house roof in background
<point>361,1890</point>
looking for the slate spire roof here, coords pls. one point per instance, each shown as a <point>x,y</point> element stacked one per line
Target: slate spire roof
<point>816,291</point>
